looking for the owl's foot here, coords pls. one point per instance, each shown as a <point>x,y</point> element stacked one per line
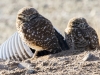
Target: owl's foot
<point>33,58</point>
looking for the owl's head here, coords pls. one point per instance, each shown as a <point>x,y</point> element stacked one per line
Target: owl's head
<point>78,23</point>
<point>27,13</point>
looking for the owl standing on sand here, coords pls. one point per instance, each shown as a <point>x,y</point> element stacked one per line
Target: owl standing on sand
<point>36,31</point>
<point>79,35</point>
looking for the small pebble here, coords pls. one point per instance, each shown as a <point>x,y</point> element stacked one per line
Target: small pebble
<point>27,61</point>
<point>29,71</point>
<point>23,65</point>
<point>87,57</point>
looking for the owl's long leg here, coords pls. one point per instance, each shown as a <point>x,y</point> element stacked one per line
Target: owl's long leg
<point>35,55</point>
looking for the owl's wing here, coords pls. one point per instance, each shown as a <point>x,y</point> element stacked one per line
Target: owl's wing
<point>94,41</point>
<point>61,41</point>
<point>91,36</point>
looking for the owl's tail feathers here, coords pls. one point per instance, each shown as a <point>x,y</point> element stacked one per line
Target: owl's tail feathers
<point>61,40</point>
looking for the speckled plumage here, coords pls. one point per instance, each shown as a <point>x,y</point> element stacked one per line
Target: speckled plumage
<point>79,35</point>
<point>36,31</point>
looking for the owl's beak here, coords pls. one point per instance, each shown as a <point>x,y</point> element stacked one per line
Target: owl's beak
<point>28,18</point>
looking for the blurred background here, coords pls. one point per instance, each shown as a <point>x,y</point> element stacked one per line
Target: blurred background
<point>59,12</point>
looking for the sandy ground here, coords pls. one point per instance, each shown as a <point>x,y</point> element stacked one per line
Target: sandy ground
<point>59,12</point>
<point>64,63</point>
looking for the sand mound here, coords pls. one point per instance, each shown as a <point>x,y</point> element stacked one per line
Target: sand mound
<point>64,63</point>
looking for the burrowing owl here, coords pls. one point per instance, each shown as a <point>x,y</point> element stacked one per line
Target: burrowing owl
<point>79,35</point>
<point>36,31</point>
